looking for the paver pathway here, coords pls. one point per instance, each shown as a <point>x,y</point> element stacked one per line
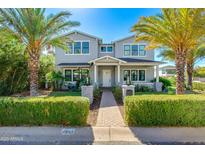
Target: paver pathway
<point>109,114</point>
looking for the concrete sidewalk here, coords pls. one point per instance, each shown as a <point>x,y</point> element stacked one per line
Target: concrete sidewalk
<point>101,135</point>
<point>58,135</point>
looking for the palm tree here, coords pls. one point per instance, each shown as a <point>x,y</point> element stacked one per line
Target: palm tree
<point>36,31</point>
<point>176,29</point>
<point>192,58</point>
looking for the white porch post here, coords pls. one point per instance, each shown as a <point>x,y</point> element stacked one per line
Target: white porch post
<point>118,73</point>
<point>157,73</point>
<point>95,73</point>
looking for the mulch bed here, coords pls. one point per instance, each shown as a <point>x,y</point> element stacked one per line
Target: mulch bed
<point>93,114</point>
<point>121,107</point>
<point>27,93</point>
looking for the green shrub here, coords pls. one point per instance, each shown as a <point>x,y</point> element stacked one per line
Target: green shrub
<point>172,79</point>
<point>117,92</point>
<point>44,111</point>
<point>199,72</point>
<point>55,79</point>
<point>143,88</point>
<point>166,82</point>
<point>165,110</point>
<point>198,86</point>
<point>97,94</point>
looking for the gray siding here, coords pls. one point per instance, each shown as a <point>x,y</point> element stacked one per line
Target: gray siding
<point>149,72</point>
<point>119,48</point>
<point>61,56</point>
<point>100,54</point>
<point>95,52</point>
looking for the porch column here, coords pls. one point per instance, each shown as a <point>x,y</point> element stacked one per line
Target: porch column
<point>157,73</point>
<point>95,73</point>
<point>118,73</point>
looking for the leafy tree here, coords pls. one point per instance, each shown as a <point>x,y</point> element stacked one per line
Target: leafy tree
<point>47,64</point>
<point>199,72</point>
<point>56,79</point>
<point>13,70</point>
<point>192,58</point>
<point>178,30</point>
<point>36,30</point>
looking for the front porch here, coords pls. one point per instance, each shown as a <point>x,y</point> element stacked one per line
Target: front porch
<point>109,71</point>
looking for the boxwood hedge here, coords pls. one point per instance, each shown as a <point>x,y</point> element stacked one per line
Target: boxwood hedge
<point>198,86</point>
<point>165,110</point>
<point>44,111</point>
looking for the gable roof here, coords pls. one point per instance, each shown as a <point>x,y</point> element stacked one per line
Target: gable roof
<point>123,38</point>
<point>83,33</point>
<point>108,57</point>
<point>168,67</point>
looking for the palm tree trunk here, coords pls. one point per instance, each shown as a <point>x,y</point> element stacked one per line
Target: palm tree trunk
<point>189,74</point>
<point>180,60</point>
<point>33,70</point>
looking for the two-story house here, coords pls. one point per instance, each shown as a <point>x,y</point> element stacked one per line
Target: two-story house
<point>107,65</point>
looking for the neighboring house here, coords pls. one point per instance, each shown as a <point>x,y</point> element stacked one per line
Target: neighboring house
<point>167,71</point>
<point>107,65</point>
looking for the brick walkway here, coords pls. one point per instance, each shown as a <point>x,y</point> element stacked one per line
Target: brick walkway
<point>109,114</point>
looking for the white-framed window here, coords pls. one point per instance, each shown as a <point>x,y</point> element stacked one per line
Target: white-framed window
<point>134,75</point>
<point>127,50</point>
<point>85,47</point>
<point>103,49</point>
<point>134,50</point>
<point>106,49</point>
<point>78,48</point>
<point>68,75</point>
<point>76,74</point>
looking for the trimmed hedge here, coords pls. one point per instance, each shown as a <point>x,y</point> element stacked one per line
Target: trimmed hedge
<point>165,82</point>
<point>117,92</point>
<point>165,110</point>
<point>198,86</point>
<point>69,111</point>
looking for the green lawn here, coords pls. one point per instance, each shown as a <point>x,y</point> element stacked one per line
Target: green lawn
<point>64,93</point>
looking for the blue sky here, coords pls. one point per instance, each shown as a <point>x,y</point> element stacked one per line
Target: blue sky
<point>109,24</point>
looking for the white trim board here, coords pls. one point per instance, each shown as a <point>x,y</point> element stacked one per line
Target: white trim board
<point>107,56</point>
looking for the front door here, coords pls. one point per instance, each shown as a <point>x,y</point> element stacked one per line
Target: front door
<point>106,78</point>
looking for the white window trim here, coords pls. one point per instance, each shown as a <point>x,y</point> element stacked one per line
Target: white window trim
<point>81,49</point>
<point>72,69</point>
<point>137,76</point>
<point>130,44</point>
<point>106,51</point>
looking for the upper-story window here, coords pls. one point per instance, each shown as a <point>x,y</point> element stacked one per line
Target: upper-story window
<point>106,49</point>
<point>134,50</point>
<point>78,48</point>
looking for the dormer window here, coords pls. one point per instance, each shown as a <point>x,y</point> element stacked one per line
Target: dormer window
<point>134,50</point>
<point>109,49</point>
<point>78,48</point>
<point>106,49</point>
<point>103,49</point>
